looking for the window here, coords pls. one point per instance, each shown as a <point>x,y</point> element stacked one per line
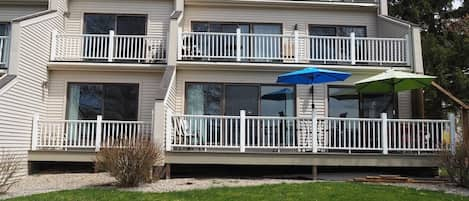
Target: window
<point>331,50</point>
<point>4,29</point>
<point>114,101</point>
<point>252,47</point>
<point>332,30</point>
<point>121,24</point>
<point>229,99</point>
<point>345,101</point>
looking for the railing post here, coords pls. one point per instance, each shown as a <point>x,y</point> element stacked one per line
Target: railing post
<point>242,130</point>
<point>53,46</point>
<point>315,132</point>
<point>407,49</point>
<point>238,44</point>
<point>452,128</point>
<point>296,46</point>
<point>34,135</point>
<point>169,130</point>
<point>352,48</point>
<point>384,132</point>
<point>99,130</point>
<point>110,55</point>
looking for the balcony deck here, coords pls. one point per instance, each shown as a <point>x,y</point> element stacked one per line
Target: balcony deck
<point>293,49</point>
<point>108,48</point>
<point>257,140</point>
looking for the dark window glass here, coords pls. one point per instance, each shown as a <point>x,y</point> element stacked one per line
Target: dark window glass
<point>99,23</point>
<point>343,102</point>
<point>121,102</point>
<point>321,30</point>
<point>277,101</point>
<point>204,99</point>
<point>346,102</point>
<point>131,25</point>
<point>199,27</point>
<point>372,105</point>
<point>4,29</point>
<point>113,101</point>
<point>229,99</point>
<point>121,24</point>
<point>346,31</point>
<point>241,97</point>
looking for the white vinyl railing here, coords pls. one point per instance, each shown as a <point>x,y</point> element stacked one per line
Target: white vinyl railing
<point>315,134</point>
<point>87,134</point>
<point>108,48</point>
<point>3,50</point>
<point>293,48</point>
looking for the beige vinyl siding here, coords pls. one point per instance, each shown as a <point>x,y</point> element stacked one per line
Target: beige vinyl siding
<point>405,105</point>
<point>149,86</point>
<point>10,12</point>
<point>288,17</point>
<point>27,96</point>
<point>158,12</point>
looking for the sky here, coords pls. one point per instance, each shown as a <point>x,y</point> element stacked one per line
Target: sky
<point>457,3</point>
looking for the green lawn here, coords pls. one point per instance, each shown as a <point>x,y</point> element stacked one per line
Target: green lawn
<point>281,192</point>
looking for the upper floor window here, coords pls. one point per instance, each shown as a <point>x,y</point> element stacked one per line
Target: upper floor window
<point>121,24</point>
<point>227,27</point>
<point>333,30</point>
<point>4,29</point>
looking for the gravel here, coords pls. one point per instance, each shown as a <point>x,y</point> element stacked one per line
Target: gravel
<point>35,184</point>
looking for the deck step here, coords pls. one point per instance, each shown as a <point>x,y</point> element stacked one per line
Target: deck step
<point>398,179</point>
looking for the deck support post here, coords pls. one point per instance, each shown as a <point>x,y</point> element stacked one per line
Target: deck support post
<point>34,134</point>
<point>167,171</point>
<point>452,128</point>
<point>315,172</point>
<point>99,125</point>
<point>384,132</point>
<point>314,131</point>
<point>242,130</point>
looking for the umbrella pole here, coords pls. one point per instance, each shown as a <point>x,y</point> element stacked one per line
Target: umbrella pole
<point>312,98</point>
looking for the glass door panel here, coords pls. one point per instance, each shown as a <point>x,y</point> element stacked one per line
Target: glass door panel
<point>241,97</point>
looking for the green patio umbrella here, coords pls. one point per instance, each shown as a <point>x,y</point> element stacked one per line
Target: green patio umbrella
<point>392,81</point>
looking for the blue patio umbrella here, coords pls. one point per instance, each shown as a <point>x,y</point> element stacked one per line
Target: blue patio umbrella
<point>313,76</point>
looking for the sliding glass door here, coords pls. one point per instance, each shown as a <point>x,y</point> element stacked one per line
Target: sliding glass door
<point>102,24</point>
<point>85,101</point>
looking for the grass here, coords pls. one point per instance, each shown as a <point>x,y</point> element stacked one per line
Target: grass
<point>281,192</point>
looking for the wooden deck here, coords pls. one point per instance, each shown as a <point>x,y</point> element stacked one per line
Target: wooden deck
<point>234,158</point>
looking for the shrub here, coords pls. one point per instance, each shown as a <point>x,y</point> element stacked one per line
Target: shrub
<point>9,166</point>
<point>457,165</point>
<point>130,163</point>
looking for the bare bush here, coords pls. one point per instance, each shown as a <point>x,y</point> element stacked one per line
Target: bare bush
<point>130,163</point>
<point>457,165</point>
<point>9,166</point>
